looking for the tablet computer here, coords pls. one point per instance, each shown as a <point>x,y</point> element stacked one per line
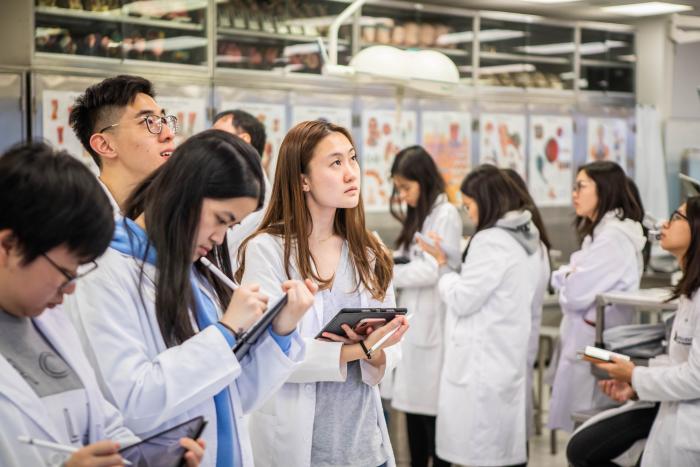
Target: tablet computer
<point>360,318</point>
<point>163,449</point>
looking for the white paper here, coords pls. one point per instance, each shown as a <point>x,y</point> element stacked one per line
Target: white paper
<point>446,136</point>
<point>551,159</point>
<point>502,141</point>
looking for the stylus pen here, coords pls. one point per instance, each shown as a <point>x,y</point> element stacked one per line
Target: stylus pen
<point>55,446</point>
<point>217,272</point>
<point>381,341</point>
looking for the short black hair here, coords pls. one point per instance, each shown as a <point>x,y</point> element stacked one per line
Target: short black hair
<point>50,199</point>
<point>102,99</point>
<point>243,121</point>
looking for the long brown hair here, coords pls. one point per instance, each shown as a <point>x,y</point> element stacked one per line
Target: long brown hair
<point>288,216</point>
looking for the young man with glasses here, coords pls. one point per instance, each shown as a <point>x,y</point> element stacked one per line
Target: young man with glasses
<point>125,131</point>
<point>54,218</point>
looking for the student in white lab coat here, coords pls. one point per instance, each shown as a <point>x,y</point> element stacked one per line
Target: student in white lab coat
<point>481,407</point>
<point>418,184</point>
<point>329,412</point>
<point>48,390</point>
<point>545,271</point>
<point>159,328</point>
<point>125,131</point>
<point>673,379</point>
<point>610,259</point>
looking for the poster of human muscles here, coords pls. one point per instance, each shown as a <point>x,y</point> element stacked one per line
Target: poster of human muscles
<point>551,159</point>
<point>384,133</point>
<point>607,140</point>
<point>56,107</point>
<point>446,137</point>
<point>502,141</point>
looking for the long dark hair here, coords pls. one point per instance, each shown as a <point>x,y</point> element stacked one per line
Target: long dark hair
<point>415,164</point>
<point>690,282</point>
<point>494,193</point>
<point>529,205</point>
<point>613,192</point>
<point>287,216</point>
<point>634,191</point>
<point>212,164</point>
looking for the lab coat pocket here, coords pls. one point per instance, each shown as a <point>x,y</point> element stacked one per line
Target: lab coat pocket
<point>688,415</point>
<point>426,327</point>
<point>459,353</point>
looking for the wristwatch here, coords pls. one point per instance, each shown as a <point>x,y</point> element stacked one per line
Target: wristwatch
<point>368,352</point>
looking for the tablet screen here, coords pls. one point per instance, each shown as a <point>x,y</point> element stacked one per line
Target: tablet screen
<point>163,449</point>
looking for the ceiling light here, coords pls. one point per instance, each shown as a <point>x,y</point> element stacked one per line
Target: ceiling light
<point>487,35</point>
<point>507,16</point>
<point>550,1</point>
<point>589,48</point>
<point>326,21</point>
<point>497,69</point>
<point>646,9</point>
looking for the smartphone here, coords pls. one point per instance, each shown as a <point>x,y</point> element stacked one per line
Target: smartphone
<point>362,326</point>
<point>598,355</point>
<point>163,449</point>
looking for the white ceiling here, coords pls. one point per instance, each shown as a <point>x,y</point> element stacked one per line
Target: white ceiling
<point>579,10</point>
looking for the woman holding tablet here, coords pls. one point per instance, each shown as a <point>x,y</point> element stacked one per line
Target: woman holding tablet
<point>48,391</point>
<point>418,184</point>
<point>329,412</point>
<point>159,327</point>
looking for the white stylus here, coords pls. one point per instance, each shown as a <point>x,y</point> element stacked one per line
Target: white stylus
<point>217,272</point>
<point>381,341</point>
<point>55,446</point>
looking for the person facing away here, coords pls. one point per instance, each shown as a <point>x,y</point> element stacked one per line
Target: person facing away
<point>329,410</point>
<point>48,390</point>
<point>160,328</point>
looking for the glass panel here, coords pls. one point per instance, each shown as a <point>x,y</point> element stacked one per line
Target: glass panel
<point>274,34</point>
<point>525,55</point>
<point>607,61</point>
<point>152,30</point>
<point>11,110</point>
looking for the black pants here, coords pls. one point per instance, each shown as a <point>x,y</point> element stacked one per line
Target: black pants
<point>598,444</point>
<point>421,440</point>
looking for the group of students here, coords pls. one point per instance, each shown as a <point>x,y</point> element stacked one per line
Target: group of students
<point>144,341</point>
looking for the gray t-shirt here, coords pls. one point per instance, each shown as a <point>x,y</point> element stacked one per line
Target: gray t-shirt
<point>346,429</point>
<point>47,373</point>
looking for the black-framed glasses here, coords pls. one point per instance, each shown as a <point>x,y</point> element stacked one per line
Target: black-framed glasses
<point>154,123</point>
<point>578,186</point>
<point>70,277</point>
<point>677,215</point>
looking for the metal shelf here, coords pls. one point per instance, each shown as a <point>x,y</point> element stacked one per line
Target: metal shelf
<point>110,17</point>
<point>525,58</point>
<point>234,32</point>
<point>448,52</point>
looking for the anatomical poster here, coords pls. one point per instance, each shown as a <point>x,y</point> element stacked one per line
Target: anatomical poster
<point>338,115</point>
<point>56,107</point>
<point>384,133</point>
<point>607,140</point>
<point>502,141</point>
<point>446,136</point>
<point>191,113</point>
<point>273,116</point>
<point>551,159</point>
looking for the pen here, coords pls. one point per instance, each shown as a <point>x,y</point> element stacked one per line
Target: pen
<point>217,272</point>
<point>55,446</point>
<point>381,341</point>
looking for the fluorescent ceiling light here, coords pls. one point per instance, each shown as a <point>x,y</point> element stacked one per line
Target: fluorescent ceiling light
<point>497,69</point>
<point>646,9</point>
<point>303,49</point>
<point>487,35</point>
<point>326,21</point>
<point>515,17</point>
<point>589,48</point>
<point>159,8</point>
<point>628,58</point>
<point>549,1</point>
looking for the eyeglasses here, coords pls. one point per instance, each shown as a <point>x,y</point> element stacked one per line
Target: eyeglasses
<point>677,215</point>
<point>578,186</point>
<point>70,278</point>
<point>154,123</point>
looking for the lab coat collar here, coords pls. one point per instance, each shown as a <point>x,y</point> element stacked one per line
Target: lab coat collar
<point>115,207</point>
<point>632,229</point>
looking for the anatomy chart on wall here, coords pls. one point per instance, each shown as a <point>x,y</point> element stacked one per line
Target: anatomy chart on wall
<point>607,140</point>
<point>446,137</point>
<point>56,107</point>
<point>502,141</point>
<point>273,116</point>
<point>338,115</point>
<point>191,113</point>
<point>384,133</point>
<point>551,159</point>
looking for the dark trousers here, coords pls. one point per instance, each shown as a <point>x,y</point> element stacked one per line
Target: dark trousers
<point>421,440</point>
<point>598,444</point>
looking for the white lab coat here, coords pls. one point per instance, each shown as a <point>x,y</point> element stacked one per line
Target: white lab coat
<point>481,408</point>
<point>248,225</point>
<point>282,429</point>
<point>610,261</point>
<point>534,342</point>
<point>417,376</point>
<point>675,381</point>
<point>23,413</point>
<point>156,387</point>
